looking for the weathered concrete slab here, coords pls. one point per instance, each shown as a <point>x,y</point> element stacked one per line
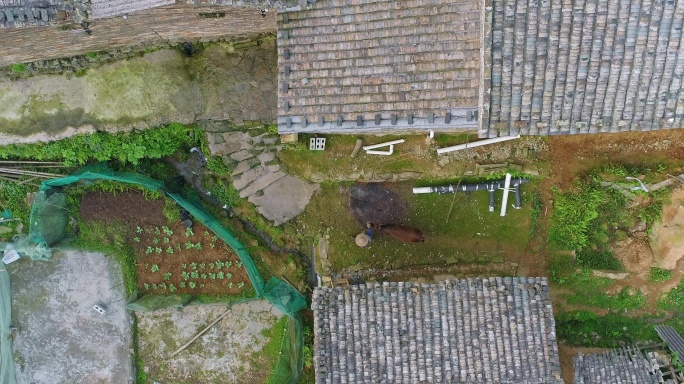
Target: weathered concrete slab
<point>261,183</point>
<point>61,339</point>
<point>284,199</point>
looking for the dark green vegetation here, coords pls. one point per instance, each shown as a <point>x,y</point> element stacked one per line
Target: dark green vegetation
<point>469,234</point>
<point>589,218</point>
<point>673,300</point>
<point>659,274</point>
<point>136,152</point>
<point>128,147</point>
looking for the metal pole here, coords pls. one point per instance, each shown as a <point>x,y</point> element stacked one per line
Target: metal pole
<point>507,186</point>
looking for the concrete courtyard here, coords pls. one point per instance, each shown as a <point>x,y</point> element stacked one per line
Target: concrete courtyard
<point>60,337</point>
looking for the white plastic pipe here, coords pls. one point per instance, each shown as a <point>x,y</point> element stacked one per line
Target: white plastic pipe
<point>367,147</point>
<point>386,153</point>
<point>507,185</point>
<point>475,144</point>
<point>417,190</point>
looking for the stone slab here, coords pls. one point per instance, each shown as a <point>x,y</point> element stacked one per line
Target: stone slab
<point>242,166</point>
<point>261,183</point>
<point>265,157</point>
<point>248,177</point>
<point>241,155</point>
<point>284,199</point>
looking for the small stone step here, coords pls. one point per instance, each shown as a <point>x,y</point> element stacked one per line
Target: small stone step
<point>242,166</point>
<point>261,183</point>
<point>265,157</point>
<point>248,177</point>
<point>241,155</point>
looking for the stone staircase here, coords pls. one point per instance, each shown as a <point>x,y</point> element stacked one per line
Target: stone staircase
<point>257,174</point>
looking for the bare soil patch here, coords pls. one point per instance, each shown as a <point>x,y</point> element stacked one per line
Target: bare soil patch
<point>377,203</point>
<point>130,208</point>
<point>573,155</point>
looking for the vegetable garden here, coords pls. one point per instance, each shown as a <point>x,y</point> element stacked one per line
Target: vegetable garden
<point>175,259</point>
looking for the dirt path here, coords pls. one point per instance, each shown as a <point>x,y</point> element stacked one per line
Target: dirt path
<point>574,155</point>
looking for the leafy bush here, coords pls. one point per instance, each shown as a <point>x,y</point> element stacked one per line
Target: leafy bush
<point>659,274</point>
<point>18,68</point>
<point>572,215</point>
<point>587,329</point>
<point>128,147</point>
<point>599,259</point>
<point>562,267</point>
<point>673,300</point>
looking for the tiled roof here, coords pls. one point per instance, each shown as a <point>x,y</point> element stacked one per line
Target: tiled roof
<point>584,66</point>
<point>673,339</point>
<point>20,13</point>
<point>491,330</point>
<point>102,9</point>
<point>620,366</point>
<point>368,65</point>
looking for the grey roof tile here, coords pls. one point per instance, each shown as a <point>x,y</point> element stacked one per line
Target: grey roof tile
<point>379,57</point>
<point>585,66</point>
<point>469,330</point>
<point>674,340</point>
<point>619,366</point>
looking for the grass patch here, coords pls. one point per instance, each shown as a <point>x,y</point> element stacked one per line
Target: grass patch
<point>589,290</point>
<point>18,68</point>
<point>659,274</point>
<point>271,351</point>
<point>673,300</point>
<point>472,233</point>
<point>335,163</point>
<point>587,329</point>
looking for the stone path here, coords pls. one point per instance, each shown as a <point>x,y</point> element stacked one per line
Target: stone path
<point>258,177</point>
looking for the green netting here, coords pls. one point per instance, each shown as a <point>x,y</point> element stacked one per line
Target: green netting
<point>283,296</point>
<point>290,362</point>
<point>48,222</point>
<point>49,212</point>
<point>6,355</point>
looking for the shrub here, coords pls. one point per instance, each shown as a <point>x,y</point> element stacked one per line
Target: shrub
<point>18,68</point>
<point>598,259</point>
<point>572,215</point>
<point>659,274</point>
<point>128,147</point>
<point>673,300</point>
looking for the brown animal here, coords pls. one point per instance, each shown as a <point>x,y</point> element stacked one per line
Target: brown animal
<point>400,232</point>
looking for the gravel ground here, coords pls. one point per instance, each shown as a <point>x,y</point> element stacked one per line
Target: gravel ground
<point>61,339</point>
<point>227,353</point>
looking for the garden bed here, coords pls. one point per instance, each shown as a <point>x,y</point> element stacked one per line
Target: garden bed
<point>173,259</point>
<point>167,258</point>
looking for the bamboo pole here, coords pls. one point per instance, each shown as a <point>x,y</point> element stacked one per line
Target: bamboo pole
<point>29,173</point>
<point>29,162</point>
<point>200,334</point>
